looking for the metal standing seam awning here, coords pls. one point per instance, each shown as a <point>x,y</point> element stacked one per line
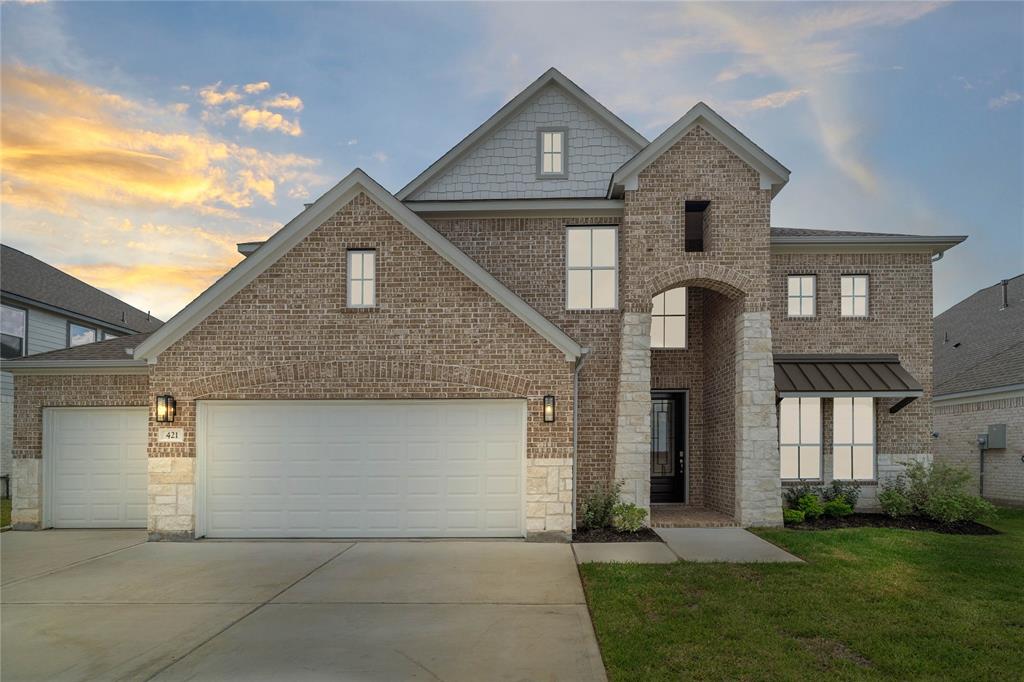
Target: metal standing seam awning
<point>845,376</point>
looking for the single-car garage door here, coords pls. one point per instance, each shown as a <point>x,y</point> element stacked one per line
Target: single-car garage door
<point>94,459</point>
<point>428,468</point>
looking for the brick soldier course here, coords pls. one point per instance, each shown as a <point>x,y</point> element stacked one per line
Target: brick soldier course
<point>439,331</point>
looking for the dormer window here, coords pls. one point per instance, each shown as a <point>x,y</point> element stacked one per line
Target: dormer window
<point>551,160</point>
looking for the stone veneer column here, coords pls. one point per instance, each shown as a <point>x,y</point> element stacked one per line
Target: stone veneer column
<point>26,498</point>
<point>172,489</point>
<point>549,499</point>
<point>633,428</point>
<point>758,485</point>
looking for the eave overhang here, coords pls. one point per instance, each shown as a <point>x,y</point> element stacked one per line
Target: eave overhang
<point>865,244</point>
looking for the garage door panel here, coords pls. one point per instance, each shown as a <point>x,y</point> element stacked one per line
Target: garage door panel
<point>389,468</point>
<point>96,464</point>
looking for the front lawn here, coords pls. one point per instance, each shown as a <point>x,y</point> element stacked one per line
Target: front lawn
<point>871,603</point>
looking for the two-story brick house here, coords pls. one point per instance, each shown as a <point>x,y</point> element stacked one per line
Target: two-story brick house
<point>555,304</point>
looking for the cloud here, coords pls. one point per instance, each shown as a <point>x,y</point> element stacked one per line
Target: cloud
<point>380,156</point>
<point>284,101</point>
<point>253,88</point>
<point>352,141</point>
<point>65,142</point>
<point>1004,100</point>
<point>252,118</point>
<point>775,100</point>
<point>213,96</point>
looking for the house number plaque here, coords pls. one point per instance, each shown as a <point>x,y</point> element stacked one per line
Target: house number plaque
<point>170,436</point>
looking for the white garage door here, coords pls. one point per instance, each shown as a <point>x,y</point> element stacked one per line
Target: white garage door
<point>95,466</point>
<point>427,468</point>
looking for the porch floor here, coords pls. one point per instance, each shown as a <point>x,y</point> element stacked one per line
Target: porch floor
<point>687,516</point>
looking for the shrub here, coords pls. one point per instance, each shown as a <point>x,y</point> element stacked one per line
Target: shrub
<point>848,491</point>
<point>597,509</point>
<point>791,494</point>
<point>935,491</point>
<point>628,517</point>
<point>810,504</point>
<point>792,516</point>
<point>837,507</point>
<point>893,499</point>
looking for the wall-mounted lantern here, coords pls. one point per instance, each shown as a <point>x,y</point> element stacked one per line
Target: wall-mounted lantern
<point>165,408</point>
<point>549,408</point>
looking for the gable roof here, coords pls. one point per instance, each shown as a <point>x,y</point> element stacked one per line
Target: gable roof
<point>26,279</point>
<point>773,174</point>
<point>550,76</point>
<point>978,344</point>
<point>312,217</point>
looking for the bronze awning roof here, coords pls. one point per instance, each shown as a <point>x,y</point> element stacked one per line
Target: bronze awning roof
<point>844,375</point>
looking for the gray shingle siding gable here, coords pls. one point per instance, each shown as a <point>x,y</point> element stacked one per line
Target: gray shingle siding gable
<point>504,165</point>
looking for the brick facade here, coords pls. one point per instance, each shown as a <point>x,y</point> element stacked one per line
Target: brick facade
<point>958,423</point>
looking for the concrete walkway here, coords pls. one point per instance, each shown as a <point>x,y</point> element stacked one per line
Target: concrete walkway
<point>732,545</point>
<point>291,610</point>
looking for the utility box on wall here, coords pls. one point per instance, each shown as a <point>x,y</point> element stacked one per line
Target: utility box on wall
<point>996,436</point>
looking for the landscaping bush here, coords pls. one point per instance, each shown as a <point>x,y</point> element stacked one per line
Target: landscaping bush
<point>628,517</point>
<point>848,491</point>
<point>837,507</point>
<point>792,516</point>
<point>791,494</point>
<point>810,504</point>
<point>597,510</point>
<point>935,491</point>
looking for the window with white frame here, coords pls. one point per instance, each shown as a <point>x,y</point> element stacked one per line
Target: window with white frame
<point>362,291</point>
<point>591,258</point>
<point>801,294</point>
<point>13,324</point>
<point>668,319</point>
<point>853,439</point>
<point>800,438</point>
<point>552,152</point>
<point>80,334</point>
<point>853,295</point>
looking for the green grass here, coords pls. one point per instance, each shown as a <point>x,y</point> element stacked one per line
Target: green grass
<point>5,512</point>
<point>869,604</point>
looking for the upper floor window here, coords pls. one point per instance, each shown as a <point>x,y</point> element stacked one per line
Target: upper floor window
<point>853,296</point>
<point>551,148</point>
<point>591,268</point>
<point>801,295</point>
<point>800,438</point>
<point>13,325</point>
<point>362,278</point>
<point>668,319</point>
<point>79,334</point>
<point>853,438</point>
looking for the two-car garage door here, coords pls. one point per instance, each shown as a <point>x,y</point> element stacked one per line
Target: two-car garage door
<point>428,468</point>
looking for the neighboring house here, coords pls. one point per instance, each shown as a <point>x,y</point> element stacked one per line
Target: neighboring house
<point>44,309</point>
<point>979,388</point>
<point>555,304</point>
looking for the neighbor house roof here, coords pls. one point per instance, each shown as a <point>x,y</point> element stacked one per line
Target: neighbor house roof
<point>111,354</point>
<point>309,219</point>
<point>979,344</point>
<point>773,174</point>
<point>551,76</point>
<point>28,280</point>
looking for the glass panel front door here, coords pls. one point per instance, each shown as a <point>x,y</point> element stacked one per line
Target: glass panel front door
<point>668,447</point>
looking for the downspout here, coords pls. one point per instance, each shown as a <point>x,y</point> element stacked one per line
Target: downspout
<point>575,425</point>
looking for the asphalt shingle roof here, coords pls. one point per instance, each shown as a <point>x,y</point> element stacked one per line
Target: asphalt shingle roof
<point>802,232</point>
<point>111,349</point>
<point>31,278</point>
<point>977,345</point>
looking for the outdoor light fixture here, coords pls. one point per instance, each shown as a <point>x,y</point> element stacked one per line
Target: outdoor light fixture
<point>165,408</point>
<point>549,408</point>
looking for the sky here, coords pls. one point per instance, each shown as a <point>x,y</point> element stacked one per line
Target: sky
<point>141,141</point>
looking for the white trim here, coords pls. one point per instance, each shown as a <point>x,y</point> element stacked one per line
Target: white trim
<point>302,225</point>
<point>773,174</point>
<point>864,244</point>
<point>517,207</point>
<point>550,76</point>
<point>200,473</point>
<point>981,394</point>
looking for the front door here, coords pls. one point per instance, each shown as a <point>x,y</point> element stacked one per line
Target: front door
<point>668,447</point>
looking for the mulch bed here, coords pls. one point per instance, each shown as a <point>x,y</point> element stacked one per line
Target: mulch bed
<point>861,520</point>
<point>612,535</point>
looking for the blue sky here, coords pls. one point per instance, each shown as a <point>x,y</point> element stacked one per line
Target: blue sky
<point>141,140</point>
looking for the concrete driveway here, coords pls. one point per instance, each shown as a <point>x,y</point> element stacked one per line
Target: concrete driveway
<point>127,609</point>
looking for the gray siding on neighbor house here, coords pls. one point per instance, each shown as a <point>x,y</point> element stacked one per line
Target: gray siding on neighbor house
<point>504,164</point>
<point>46,331</point>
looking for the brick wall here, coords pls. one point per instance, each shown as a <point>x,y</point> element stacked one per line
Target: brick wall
<point>720,401</point>
<point>958,425</point>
